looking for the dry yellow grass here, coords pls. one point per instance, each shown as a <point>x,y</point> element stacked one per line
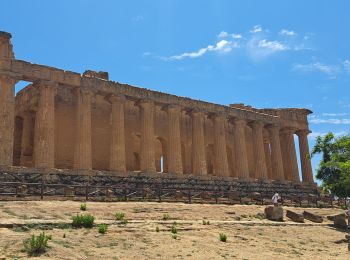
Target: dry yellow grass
<point>248,236</point>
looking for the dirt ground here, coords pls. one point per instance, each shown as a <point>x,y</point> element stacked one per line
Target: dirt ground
<point>248,236</point>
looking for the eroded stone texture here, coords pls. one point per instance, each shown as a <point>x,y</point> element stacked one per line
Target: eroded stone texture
<point>85,122</point>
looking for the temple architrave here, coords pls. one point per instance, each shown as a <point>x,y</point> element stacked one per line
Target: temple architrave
<point>67,120</point>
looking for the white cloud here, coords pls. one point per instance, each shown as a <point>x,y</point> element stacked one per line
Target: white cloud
<point>313,135</point>
<point>221,46</point>
<point>236,36</point>
<point>272,45</point>
<point>332,121</point>
<point>223,34</point>
<point>329,70</point>
<point>256,29</point>
<point>287,33</point>
<point>334,114</point>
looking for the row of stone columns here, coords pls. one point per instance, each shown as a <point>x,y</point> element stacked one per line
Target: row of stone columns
<point>273,160</point>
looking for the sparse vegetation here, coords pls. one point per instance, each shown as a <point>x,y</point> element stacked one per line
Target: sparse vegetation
<point>83,207</point>
<point>119,216</point>
<point>205,222</point>
<point>102,228</point>
<point>80,221</point>
<point>157,229</point>
<point>222,237</point>
<point>174,236</point>
<point>173,229</point>
<point>166,216</point>
<point>37,245</point>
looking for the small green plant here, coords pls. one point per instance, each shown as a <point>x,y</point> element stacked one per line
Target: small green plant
<point>205,222</point>
<point>119,216</point>
<point>222,237</point>
<point>80,221</point>
<point>83,207</point>
<point>157,229</point>
<point>173,229</point>
<point>174,236</point>
<point>124,221</point>
<point>166,216</point>
<point>37,245</point>
<point>64,235</point>
<point>102,228</point>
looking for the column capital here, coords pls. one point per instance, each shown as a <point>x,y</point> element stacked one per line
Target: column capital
<point>273,127</point>
<point>302,132</point>
<point>257,124</point>
<point>288,130</point>
<point>172,108</point>
<point>9,79</point>
<point>239,121</point>
<point>116,98</point>
<point>144,103</point>
<point>219,116</point>
<point>196,113</point>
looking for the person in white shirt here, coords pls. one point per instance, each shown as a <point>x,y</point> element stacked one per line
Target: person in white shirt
<point>275,199</point>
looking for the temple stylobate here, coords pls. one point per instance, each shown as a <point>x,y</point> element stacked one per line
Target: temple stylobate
<point>67,120</point>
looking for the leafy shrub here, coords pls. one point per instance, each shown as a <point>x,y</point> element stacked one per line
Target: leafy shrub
<point>222,237</point>
<point>119,216</point>
<point>166,216</point>
<point>83,207</point>
<point>102,228</point>
<point>86,221</point>
<point>173,229</point>
<point>37,245</point>
<point>205,222</point>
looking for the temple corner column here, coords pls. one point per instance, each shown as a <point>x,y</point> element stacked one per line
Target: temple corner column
<point>305,156</point>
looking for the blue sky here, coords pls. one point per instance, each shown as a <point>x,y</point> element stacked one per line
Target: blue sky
<point>292,53</point>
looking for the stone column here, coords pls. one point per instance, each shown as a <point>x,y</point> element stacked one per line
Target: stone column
<point>242,168</point>
<point>147,136</point>
<point>7,119</point>
<point>259,152</point>
<point>174,140</point>
<point>276,156</point>
<point>305,156</point>
<point>199,164</point>
<point>220,150</point>
<point>268,159</point>
<point>44,131</point>
<point>27,143</point>
<point>289,155</point>
<point>83,151</point>
<point>117,153</point>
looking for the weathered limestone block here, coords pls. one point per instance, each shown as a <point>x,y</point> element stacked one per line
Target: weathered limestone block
<point>274,213</point>
<point>22,190</point>
<point>332,217</point>
<point>312,217</point>
<point>296,217</point>
<point>340,221</point>
<point>69,192</point>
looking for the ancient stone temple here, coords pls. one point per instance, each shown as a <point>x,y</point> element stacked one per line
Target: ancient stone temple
<point>73,121</point>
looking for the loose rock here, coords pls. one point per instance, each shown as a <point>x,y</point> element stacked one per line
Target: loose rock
<point>313,217</point>
<point>274,213</point>
<point>296,217</point>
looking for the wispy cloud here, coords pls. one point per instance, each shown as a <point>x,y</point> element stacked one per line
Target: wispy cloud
<point>313,135</point>
<point>257,43</point>
<point>221,46</point>
<point>334,114</point>
<point>287,32</point>
<point>332,121</point>
<point>331,70</point>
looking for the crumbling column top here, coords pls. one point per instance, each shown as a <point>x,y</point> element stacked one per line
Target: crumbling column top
<point>5,35</point>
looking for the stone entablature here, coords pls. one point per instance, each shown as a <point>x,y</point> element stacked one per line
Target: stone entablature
<point>68,120</point>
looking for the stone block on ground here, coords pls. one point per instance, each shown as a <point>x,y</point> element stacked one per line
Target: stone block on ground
<point>313,217</point>
<point>296,217</point>
<point>332,217</point>
<point>274,213</point>
<point>340,221</point>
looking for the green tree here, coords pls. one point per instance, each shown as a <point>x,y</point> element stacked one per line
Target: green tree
<point>334,168</point>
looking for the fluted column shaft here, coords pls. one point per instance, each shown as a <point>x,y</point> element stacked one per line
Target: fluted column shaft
<point>83,150</point>
<point>27,140</point>
<point>305,156</point>
<point>259,152</point>
<point>276,156</point>
<point>268,159</point>
<point>44,140</point>
<point>220,150</point>
<point>147,136</point>
<point>199,164</point>
<point>7,119</point>
<point>174,140</point>
<point>117,153</point>
<point>241,149</point>
<point>290,162</point>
